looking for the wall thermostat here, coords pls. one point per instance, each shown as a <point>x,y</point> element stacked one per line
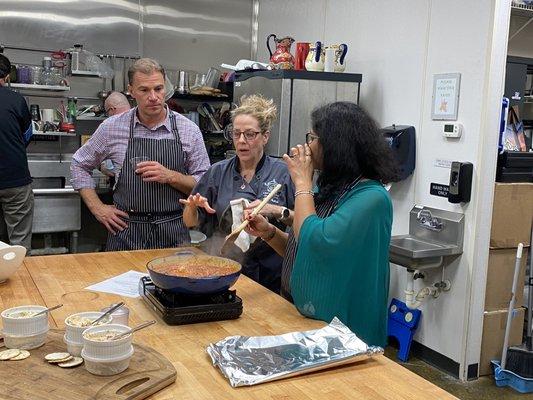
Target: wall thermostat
<point>452,130</point>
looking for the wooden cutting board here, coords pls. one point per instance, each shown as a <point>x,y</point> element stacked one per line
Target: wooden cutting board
<point>35,379</point>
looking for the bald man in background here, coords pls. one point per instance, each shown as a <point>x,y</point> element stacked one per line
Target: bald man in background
<point>116,103</point>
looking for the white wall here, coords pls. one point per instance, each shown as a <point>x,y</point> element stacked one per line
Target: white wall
<point>398,47</point>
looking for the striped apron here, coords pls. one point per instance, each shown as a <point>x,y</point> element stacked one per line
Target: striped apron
<point>323,210</point>
<point>155,214</point>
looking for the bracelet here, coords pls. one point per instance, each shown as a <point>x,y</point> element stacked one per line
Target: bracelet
<point>270,236</point>
<point>299,192</point>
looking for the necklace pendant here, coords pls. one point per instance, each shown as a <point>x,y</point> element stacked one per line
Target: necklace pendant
<point>243,186</point>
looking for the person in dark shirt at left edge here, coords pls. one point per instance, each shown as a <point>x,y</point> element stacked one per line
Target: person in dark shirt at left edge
<point>16,196</point>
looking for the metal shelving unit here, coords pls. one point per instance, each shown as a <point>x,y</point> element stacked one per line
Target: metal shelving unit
<point>84,73</point>
<point>522,11</point>
<point>53,133</point>
<point>30,86</point>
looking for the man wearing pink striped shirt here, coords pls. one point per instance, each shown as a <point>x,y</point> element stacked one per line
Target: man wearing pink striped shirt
<point>159,156</point>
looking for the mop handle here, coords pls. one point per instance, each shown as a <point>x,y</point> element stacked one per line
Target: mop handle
<point>512,303</point>
<point>529,330</point>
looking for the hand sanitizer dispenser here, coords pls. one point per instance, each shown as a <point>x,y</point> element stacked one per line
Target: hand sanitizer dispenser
<point>402,141</point>
<point>460,182</point>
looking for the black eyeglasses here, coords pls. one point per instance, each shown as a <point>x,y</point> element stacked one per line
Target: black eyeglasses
<point>309,137</point>
<point>231,134</point>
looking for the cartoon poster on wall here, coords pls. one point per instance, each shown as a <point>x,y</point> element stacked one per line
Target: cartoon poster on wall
<point>445,96</point>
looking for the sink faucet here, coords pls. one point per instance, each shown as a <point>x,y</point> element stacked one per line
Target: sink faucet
<point>428,221</point>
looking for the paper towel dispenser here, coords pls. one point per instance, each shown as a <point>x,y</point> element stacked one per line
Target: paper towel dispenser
<point>402,141</point>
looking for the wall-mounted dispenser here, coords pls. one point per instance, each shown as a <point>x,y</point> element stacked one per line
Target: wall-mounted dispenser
<point>402,141</point>
<point>460,182</point>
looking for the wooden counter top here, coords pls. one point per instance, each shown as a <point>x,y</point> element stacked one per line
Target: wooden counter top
<point>61,279</point>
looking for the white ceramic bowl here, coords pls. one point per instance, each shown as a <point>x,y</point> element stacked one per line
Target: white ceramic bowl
<point>72,347</point>
<point>24,333</point>
<point>11,258</point>
<point>74,333</point>
<point>106,350</point>
<point>108,367</point>
<point>107,357</point>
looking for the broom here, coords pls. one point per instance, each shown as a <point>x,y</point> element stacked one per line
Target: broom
<point>520,358</point>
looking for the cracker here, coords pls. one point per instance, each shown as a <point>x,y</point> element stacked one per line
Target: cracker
<point>71,363</point>
<point>21,356</point>
<point>9,354</point>
<point>56,356</point>
<point>61,361</point>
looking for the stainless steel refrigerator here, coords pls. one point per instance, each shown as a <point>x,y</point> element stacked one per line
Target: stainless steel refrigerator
<point>296,94</point>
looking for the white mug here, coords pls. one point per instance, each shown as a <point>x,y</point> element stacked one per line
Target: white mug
<point>48,114</point>
<point>329,60</point>
<point>37,126</point>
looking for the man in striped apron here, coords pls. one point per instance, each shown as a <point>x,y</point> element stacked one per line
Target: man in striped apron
<point>159,156</point>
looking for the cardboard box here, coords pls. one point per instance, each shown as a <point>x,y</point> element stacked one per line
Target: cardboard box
<point>500,273</point>
<point>493,335</point>
<point>512,214</point>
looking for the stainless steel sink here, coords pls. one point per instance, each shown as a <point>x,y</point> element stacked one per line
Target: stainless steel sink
<point>433,235</point>
<point>414,247</point>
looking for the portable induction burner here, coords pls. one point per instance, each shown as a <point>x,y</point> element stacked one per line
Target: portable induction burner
<point>181,309</point>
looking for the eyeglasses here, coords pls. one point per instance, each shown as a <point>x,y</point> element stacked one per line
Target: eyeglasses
<point>230,134</point>
<point>310,137</point>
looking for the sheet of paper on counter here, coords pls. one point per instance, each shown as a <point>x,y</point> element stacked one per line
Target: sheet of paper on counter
<point>126,284</point>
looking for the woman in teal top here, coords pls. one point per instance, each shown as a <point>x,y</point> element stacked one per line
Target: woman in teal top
<point>336,260</point>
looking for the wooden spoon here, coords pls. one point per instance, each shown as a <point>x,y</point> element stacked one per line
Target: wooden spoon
<point>230,239</point>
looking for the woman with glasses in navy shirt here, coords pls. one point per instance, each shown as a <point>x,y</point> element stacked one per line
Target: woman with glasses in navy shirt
<point>251,175</point>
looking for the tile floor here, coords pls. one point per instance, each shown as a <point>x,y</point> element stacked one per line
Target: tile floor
<point>482,388</point>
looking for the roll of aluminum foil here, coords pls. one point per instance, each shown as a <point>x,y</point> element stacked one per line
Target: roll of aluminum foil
<point>249,360</point>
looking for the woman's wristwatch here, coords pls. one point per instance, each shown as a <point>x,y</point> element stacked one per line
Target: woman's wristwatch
<point>284,215</point>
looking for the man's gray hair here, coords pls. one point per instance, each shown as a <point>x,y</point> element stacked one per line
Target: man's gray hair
<point>144,66</point>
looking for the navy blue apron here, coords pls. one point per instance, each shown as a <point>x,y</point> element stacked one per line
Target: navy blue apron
<point>155,214</point>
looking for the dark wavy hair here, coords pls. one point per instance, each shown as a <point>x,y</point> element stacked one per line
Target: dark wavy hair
<point>352,145</point>
<point>5,66</point>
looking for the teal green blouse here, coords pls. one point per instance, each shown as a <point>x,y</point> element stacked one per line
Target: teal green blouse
<point>342,263</point>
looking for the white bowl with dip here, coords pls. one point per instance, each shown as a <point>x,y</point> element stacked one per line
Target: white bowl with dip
<point>104,356</point>
<point>22,330</point>
<point>76,324</point>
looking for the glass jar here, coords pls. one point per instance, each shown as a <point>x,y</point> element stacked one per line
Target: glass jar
<point>56,75</point>
<point>120,316</point>
<point>35,75</point>
<point>47,76</point>
<point>23,74</point>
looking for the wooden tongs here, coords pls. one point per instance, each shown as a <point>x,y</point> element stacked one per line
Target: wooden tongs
<point>230,239</point>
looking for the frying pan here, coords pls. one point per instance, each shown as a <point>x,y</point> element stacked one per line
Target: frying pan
<point>186,285</point>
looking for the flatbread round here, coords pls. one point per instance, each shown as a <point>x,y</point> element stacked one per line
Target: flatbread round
<point>22,356</point>
<point>56,356</point>
<point>71,363</point>
<point>9,354</point>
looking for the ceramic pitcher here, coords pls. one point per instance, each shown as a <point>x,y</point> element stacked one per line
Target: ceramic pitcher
<point>282,57</point>
<point>340,56</point>
<point>315,57</point>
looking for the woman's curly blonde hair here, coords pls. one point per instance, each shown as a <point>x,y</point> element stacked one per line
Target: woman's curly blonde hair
<point>263,110</point>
